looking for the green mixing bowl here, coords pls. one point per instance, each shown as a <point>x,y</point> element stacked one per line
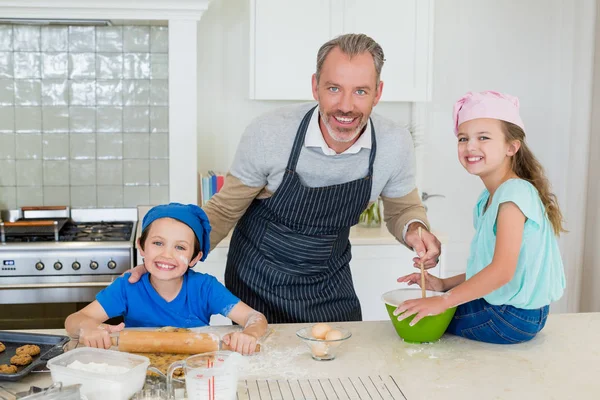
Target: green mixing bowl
<point>429,329</point>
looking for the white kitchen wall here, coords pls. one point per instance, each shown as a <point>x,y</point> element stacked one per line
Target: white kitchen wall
<point>223,75</point>
<point>83,115</point>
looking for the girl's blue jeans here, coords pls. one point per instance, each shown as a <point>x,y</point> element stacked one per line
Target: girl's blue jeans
<point>482,321</point>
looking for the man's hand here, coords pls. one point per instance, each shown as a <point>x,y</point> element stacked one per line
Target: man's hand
<point>428,248</point>
<point>137,272</point>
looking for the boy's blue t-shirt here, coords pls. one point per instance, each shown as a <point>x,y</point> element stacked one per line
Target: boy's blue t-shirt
<point>201,296</point>
<point>539,278</point>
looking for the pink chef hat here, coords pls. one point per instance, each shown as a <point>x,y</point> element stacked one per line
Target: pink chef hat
<point>486,104</point>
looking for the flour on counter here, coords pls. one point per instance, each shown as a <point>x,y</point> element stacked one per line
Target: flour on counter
<point>99,368</point>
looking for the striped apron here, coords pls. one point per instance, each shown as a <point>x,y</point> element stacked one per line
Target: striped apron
<point>289,254</point>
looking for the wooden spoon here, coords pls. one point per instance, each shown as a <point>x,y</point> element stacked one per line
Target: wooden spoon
<point>423,294</point>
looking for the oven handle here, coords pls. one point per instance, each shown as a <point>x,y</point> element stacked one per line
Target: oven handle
<point>54,285</point>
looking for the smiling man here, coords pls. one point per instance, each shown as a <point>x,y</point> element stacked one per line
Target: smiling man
<point>301,177</point>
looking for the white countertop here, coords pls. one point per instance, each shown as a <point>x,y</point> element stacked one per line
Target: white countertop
<point>562,362</point>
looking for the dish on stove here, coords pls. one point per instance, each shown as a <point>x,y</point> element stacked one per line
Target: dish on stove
<point>28,349</point>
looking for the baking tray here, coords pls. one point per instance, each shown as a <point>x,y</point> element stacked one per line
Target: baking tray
<point>50,346</point>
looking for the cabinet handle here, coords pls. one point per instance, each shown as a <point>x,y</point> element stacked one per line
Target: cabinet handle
<point>425,196</point>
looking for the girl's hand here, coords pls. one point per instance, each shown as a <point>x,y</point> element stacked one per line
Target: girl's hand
<point>422,308</point>
<point>431,282</point>
<point>94,335</point>
<point>241,342</point>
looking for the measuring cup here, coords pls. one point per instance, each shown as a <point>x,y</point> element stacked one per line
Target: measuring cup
<point>208,376</point>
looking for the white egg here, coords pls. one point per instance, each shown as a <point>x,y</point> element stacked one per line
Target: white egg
<point>319,331</point>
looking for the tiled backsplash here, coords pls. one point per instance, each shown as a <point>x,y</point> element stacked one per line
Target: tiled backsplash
<point>83,116</point>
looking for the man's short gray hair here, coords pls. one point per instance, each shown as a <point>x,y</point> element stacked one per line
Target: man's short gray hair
<point>352,44</point>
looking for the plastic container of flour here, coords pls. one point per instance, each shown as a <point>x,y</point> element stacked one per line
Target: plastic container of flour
<point>103,374</point>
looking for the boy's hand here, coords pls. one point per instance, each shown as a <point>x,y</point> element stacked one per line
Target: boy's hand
<point>94,335</point>
<point>241,342</point>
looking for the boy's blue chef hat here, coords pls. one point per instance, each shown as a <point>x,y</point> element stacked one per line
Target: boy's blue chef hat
<point>190,214</point>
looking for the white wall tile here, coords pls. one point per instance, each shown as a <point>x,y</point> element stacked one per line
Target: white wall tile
<point>7,92</point>
<point>109,39</point>
<point>83,146</point>
<point>109,172</point>
<point>83,172</point>
<point>55,92</point>
<point>27,65</point>
<point>57,196</point>
<point>136,172</point>
<point>26,38</point>
<point>136,119</point>
<point>83,197</point>
<point>82,119</point>
<point>55,119</point>
<point>55,65</point>
<point>29,146</point>
<point>55,38</point>
<point>109,119</point>
<point>110,196</point>
<point>56,173</point>
<point>159,172</point>
<point>109,66</point>
<point>28,92</point>
<point>159,66</point>
<point>109,146</point>
<point>82,39</point>
<point>29,173</point>
<point>30,196</point>
<point>109,93</point>
<point>8,198</point>
<point>8,173</point>
<point>159,146</point>
<point>159,195</point>
<point>82,65</point>
<point>7,119</point>
<point>159,119</point>
<point>136,39</point>
<point>6,65</point>
<point>136,92</point>
<point>136,66</point>
<point>159,39</point>
<point>159,92</point>
<point>82,93</point>
<point>55,146</point>
<point>6,38</point>
<point>134,196</point>
<point>7,146</point>
<point>28,119</point>
<point>136,145</point>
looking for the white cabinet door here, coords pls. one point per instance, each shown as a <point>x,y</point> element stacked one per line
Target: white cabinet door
<point>285,37</point>
<point>404,29</point>
<point>374,272</point>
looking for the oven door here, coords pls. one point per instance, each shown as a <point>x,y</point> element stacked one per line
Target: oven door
<point>52,289</point>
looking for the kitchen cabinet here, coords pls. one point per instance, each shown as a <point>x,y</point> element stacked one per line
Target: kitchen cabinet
<point>286,35</point>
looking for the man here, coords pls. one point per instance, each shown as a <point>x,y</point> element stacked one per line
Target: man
<point>301,177</point>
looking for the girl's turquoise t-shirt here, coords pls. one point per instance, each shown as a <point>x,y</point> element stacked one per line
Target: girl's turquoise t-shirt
<point>539,278</point>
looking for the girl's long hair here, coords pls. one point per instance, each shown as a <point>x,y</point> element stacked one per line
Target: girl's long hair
<point>527,167</point>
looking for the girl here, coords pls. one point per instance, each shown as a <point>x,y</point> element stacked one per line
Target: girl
<point>514,270</point>
<point>174,238</point>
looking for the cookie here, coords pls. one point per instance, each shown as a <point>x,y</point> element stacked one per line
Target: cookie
<point>21,359</point>
<point>30,349</point>
<point>8,369</point>
<point>2,347</point>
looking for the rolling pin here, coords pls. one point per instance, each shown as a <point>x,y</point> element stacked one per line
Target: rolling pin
<point>134,341</point>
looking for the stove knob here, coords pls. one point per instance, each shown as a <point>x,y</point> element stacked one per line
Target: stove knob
<point>112,264</point>
<point>58,265</point>
<point>93,265</point>
<point>39,265</point>
<point>75,265</point>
